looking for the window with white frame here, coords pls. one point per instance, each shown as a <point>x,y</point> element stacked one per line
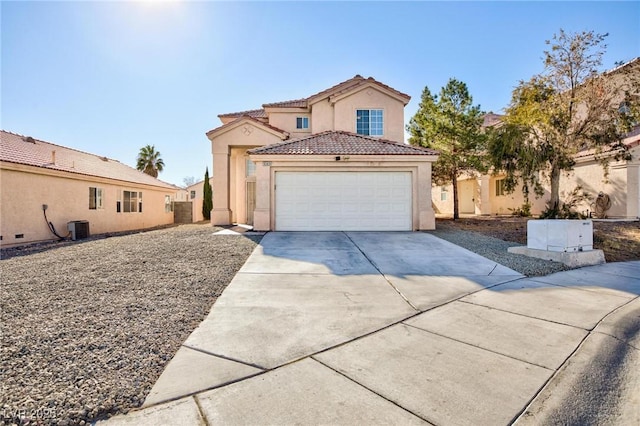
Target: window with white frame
<point>131,202</point>
<point>95,198</point>
<point>302,123</point>
<point>444,193</point>
<point>168,205</point>
<point>369,122</point>
<point>500,187</point>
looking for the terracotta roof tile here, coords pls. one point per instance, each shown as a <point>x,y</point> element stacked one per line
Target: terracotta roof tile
<point>352,83</point>
<point>296,103</point>
<point>20,149</point>
<point>248,117</point>
<point>255,113</point>
<point>630,140</point>
<point>346,85</point>
<point>491,119</point>
<point>341,143</point>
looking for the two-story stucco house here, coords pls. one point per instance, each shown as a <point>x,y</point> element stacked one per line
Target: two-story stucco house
<point>332,161</point>
<point>486,194</point>
<point>45,186</point>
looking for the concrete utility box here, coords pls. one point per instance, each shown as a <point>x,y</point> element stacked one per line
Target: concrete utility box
<point>560,235</point>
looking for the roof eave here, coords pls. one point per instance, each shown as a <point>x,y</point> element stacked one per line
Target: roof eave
<point>211,134</point>
<point>370,85</point>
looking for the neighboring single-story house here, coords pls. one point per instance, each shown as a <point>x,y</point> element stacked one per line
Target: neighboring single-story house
<point>195,194</point>
<point>39,178</point>
<point>332,161</point>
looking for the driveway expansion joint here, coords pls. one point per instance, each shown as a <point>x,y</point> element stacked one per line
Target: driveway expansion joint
<point>381,273</point>
<point>521,314</point>
<point>476,346</point>
<point>371,390</point>
<point>226,357</point>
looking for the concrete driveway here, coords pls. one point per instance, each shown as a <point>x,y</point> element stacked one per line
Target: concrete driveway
<point>389,328</point>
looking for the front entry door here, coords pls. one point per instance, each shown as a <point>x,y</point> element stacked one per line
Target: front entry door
<point>466,196</point>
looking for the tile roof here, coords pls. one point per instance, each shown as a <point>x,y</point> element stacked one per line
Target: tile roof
<point>296,103</point>
<point>341,143</point>
<point>491,119</point>
<point>255,113</point>
<point>20,149</point>
<point>248,117</point>
<point>339,88</point>
<point>630,140</point>
<point>352,83</point>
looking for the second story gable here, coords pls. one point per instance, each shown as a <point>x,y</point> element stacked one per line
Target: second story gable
<point>358,105</point>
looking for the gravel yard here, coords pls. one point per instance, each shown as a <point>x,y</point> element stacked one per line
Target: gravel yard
<point>496,250</point>
<point>88,327</point>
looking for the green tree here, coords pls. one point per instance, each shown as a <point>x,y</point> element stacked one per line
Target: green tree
<point>568,108</point>
<point>207,202</point>
<point>149,161</point>
<point>452,125</point>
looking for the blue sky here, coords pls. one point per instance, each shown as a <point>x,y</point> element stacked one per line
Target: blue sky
<point>111,77</point>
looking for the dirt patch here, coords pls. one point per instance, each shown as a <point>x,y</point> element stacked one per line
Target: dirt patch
<point>620,241</point>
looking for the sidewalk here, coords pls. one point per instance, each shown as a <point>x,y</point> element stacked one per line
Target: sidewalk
<point>389,328</point>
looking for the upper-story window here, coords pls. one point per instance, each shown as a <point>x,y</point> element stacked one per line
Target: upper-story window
<point>369,122</point>
<point>302,123</point>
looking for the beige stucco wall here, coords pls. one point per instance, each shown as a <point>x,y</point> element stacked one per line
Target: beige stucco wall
<point>618,185</point>
<point>286,120</point>
<point>485,199</point>
<point>322,117</point>
<point>370,98</point>
<point>24,189</point>
<point>622,185</point>
<point>268,165</point>
<point>229,151</point>
<point>196,202</point>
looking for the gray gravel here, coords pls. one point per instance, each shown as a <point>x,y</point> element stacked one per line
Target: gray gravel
<point>496,250</point>
<point>88,327</point>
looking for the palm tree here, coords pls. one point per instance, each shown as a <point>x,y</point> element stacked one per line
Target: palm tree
<point>149,161</point>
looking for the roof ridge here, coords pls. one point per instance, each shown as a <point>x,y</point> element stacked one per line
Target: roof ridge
<point>62,146</point>
<point>253,119</point>
<point>84,156</point>
<point>353,80</point>
<point>241,112</point>
<point>270,104</point>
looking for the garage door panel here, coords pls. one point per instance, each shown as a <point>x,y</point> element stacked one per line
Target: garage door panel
<point>343,201</point>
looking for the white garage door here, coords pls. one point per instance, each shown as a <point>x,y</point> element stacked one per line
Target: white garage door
<point>343,201</point>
